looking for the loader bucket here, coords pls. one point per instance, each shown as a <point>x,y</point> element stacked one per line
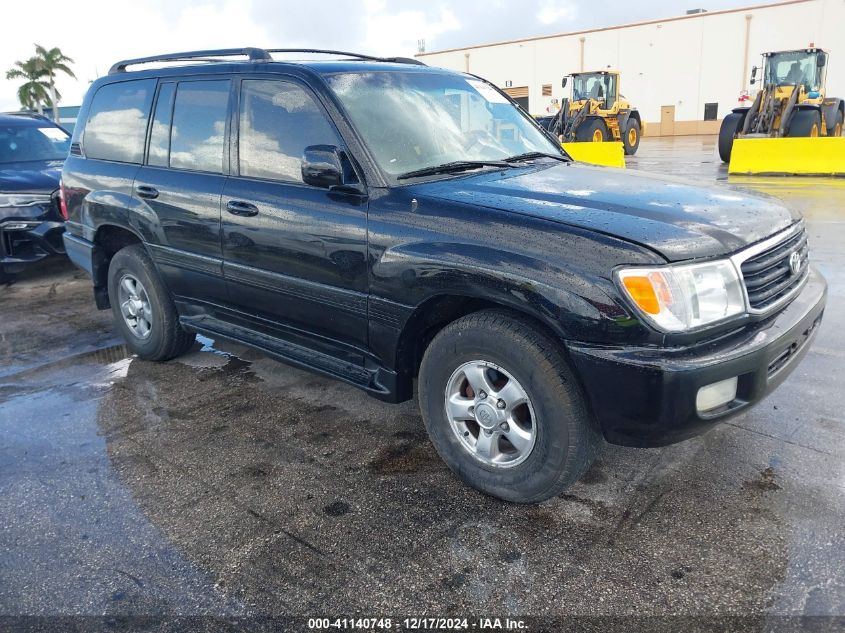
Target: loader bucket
<point>819,156</point>
<point>608,154</point>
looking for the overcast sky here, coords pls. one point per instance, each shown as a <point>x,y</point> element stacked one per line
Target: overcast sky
<point>95,33</point>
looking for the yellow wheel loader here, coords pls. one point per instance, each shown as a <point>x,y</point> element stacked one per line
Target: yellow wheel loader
<point>597,112</point>
<point>780,132</point>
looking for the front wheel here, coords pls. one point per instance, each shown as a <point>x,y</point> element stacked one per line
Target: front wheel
<point>593,130</point>
<point>503,409</point>
<point>631,137</point>
<point>836,128</point>
<point>805,123</point>
<point>143,309</point>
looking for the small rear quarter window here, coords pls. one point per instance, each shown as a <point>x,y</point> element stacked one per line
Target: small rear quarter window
<point>117,121</point>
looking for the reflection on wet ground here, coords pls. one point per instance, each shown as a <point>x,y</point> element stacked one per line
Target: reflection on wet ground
<point>226,483</point>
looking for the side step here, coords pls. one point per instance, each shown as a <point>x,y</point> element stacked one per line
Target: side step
<point>370,380</point>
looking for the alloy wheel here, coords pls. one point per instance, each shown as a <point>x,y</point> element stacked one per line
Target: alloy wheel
<point>491,414</point>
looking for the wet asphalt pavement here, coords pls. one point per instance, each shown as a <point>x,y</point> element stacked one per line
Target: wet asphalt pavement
<point>225,483</point>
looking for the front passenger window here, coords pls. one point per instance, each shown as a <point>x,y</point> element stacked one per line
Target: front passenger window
<point>278,120</point>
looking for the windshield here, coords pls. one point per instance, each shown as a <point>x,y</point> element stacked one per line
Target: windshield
<point>417,120</point>
<point>791,69</point>
<point>27,143</point>
<point>600,86</point>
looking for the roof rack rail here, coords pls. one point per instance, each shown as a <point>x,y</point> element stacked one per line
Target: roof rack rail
<point>254,55</point>
<point>324,51</point>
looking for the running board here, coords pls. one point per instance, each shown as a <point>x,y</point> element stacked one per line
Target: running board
<point>378,382</point>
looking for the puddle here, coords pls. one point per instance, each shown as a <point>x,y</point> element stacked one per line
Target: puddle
<point>102,356</point>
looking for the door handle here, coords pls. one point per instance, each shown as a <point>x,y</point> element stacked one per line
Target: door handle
<point>237,207</point>
<point>145,191</point>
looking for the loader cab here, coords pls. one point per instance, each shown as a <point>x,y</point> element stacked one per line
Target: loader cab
<point>804,69</point>
<point>601,86</point>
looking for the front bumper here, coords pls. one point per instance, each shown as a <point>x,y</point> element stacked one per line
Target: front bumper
<point>646,396</point>
<point>24,242</point>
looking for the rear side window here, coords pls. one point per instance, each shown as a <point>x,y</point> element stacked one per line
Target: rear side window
<point>117,121</point>
<point>198,132</point>
<point>278,120</point>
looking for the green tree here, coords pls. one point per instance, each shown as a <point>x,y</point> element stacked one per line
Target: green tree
<point>34,92</point>
<point>53,61</point>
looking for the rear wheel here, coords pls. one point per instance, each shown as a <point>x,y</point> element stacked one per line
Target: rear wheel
<point>805,123</point>
<point>503,409</point>
<point>143,309</point>
<point>592,130</point>
<point>631,137</point>
<point>730,127</point>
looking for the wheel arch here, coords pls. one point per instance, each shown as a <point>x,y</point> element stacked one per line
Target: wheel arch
<point>438,311</point>
<point>108,240</point>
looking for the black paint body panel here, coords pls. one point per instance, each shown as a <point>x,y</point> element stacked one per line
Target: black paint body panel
<point>350,284</point>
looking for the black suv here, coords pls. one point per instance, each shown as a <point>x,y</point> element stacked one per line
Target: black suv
<point>380,221</point>
<point>32,149</point>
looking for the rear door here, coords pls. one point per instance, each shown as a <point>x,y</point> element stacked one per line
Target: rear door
<point>106,154</point>
<point>295,255</point>
<point>179,188</point>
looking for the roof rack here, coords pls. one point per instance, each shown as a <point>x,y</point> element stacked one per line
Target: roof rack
<point>324,51</point>
<point>253,54</point>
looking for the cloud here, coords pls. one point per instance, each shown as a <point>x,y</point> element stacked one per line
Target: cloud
<point>99,32</point>
<point>555,11</point>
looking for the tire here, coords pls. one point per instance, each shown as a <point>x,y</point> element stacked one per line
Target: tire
<point>805,123</point>
<point>631,137</point>
<point>727,133</point>
<point>565,438</point>
<point>590,129</point>
<point>836,128</point>
<point>6,278</point>
<point>165,337</point>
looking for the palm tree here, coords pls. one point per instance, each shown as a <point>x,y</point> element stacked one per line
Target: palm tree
<point>35,92</point>
<point>53,61</point>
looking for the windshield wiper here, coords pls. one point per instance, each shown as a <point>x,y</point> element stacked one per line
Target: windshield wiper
<point>453,167</point>
<point>532,155</point>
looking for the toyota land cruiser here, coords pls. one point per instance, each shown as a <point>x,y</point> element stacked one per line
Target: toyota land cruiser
<point>380,221</point>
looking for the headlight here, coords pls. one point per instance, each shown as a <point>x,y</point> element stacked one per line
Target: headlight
<point>682,297</point>
<point>23,199</point>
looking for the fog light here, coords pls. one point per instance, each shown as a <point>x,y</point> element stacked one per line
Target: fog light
<point>716,395</point>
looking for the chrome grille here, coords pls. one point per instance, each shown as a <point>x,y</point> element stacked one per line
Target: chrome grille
<point>770,276</point>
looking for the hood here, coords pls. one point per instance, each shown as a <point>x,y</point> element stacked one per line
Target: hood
<point>678,219</point>
<point>30,176</point>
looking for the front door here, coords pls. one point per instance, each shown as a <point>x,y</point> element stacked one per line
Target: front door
<point>179,188</point>
<point>295,256</point>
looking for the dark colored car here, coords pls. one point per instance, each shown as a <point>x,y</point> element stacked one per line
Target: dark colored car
<point>32,150</point>
<point>383,221</point>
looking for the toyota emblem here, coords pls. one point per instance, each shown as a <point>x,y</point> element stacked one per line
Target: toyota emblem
<point>795,263</point>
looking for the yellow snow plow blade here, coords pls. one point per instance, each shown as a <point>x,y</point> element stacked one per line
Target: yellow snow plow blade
<point>819,156</point>
<point>608,154</point>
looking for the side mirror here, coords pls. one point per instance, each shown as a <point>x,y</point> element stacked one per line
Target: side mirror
<point>321,166</point>
<point>563,82</point>
<point>821,60</point>
<point>753,75</point>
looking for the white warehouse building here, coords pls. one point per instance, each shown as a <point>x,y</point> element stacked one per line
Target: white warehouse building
<point>673,70</point>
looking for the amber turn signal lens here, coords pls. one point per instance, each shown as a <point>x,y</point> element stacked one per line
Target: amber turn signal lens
<point>642,292</point>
